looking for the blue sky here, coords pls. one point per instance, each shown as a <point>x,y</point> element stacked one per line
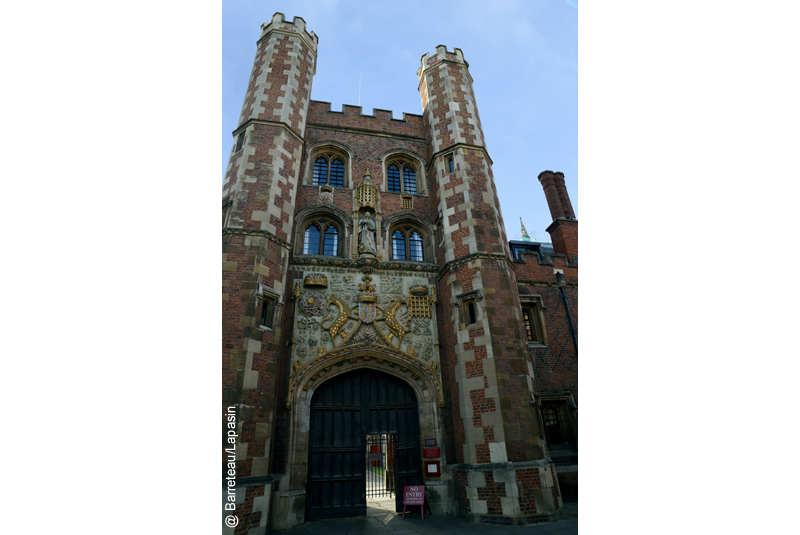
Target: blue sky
<point>523,57</point>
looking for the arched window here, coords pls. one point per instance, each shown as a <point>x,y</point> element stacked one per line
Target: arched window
<point>396,169</point>
<point>321,238</point>
<point>450,165</point>
<point>407,245</point>
<point>328,170</point>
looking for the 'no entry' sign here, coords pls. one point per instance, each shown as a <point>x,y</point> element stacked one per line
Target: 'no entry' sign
<point>414,495</point>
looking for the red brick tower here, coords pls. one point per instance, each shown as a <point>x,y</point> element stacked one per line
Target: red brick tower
<point>259,193</point>
<point>564,229</point>
<point>504,472</point>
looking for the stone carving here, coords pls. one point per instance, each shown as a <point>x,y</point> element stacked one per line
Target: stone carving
<point>341,319</point>
<point>296,291</point>
<point>299,261</point>
<point>367,193</point>
<point>366,334</point>
<point>391,285</point>
<point>367,312</point>
<point>402,316</point>
<point>316,279</point>
<point>366,287</point>
<point>424,348</point>
<point>418,302</point>
<point>312,303</point>
<point>421,326</point>
<point>326,195</point>
<point>366,234</point>
<point>392,323</point>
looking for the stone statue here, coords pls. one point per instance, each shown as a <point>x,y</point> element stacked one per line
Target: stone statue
<point>366,234</point>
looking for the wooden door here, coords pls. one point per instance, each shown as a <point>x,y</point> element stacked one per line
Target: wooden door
<point>343,412</point>
<point>337,443</point>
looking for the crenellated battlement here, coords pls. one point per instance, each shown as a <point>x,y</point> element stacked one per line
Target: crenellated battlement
<point>298,26</point>
<point>441,54</point>
<point>320,114</point>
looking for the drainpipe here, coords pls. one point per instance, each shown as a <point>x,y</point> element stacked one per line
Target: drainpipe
<point>561,288</point>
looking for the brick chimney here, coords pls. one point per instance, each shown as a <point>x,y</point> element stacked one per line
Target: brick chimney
<point>564,229</point>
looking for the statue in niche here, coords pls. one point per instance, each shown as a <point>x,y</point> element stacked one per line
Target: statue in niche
<point>366,234</point>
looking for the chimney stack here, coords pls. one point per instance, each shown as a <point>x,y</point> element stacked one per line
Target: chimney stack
<point>564,229</point>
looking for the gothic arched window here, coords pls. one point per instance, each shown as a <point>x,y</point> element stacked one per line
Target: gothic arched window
<point>407,245</point>
<point>321,238</point>
<point>408,171</point>
<point>328,170</point>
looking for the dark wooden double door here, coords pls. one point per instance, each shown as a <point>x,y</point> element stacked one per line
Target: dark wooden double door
<point>343,412</point>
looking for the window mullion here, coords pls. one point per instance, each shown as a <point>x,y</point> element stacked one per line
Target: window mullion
<point>330,161</point>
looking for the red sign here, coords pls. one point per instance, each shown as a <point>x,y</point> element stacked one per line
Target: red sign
<point>374,449</point>
<point>431,452</point>
<point>432,468</point>
<point>414,495</point>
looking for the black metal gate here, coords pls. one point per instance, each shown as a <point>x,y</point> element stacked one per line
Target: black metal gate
<point>380,466</point>
<point>344,412</point>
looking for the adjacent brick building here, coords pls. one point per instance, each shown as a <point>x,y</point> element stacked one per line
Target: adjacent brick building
<point>369,290</point>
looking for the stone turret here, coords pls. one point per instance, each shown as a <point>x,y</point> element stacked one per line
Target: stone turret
<point>485,359</point>
<point>259,193</point>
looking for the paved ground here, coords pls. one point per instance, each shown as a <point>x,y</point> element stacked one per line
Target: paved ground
<point>382,520</point>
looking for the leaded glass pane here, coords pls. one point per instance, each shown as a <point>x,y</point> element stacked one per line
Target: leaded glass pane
<point>409,180</point>
<point>415,246</point>
<point>331,241</point>
<point>337,173</point>
<point>311,241</point>
<point>320,172</point>
<point>398,246</point>
<point>393,174</point>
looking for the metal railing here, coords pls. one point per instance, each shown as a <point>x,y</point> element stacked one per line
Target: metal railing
<point>380,466</point>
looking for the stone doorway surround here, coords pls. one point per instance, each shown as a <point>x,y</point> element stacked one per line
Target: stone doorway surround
<point>289,506</point>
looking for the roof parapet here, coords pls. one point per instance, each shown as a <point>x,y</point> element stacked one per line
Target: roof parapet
<point>353,111</point>
<point>297,25</point>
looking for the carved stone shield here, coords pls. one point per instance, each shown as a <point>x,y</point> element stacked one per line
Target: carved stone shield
<point>366,311</point>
